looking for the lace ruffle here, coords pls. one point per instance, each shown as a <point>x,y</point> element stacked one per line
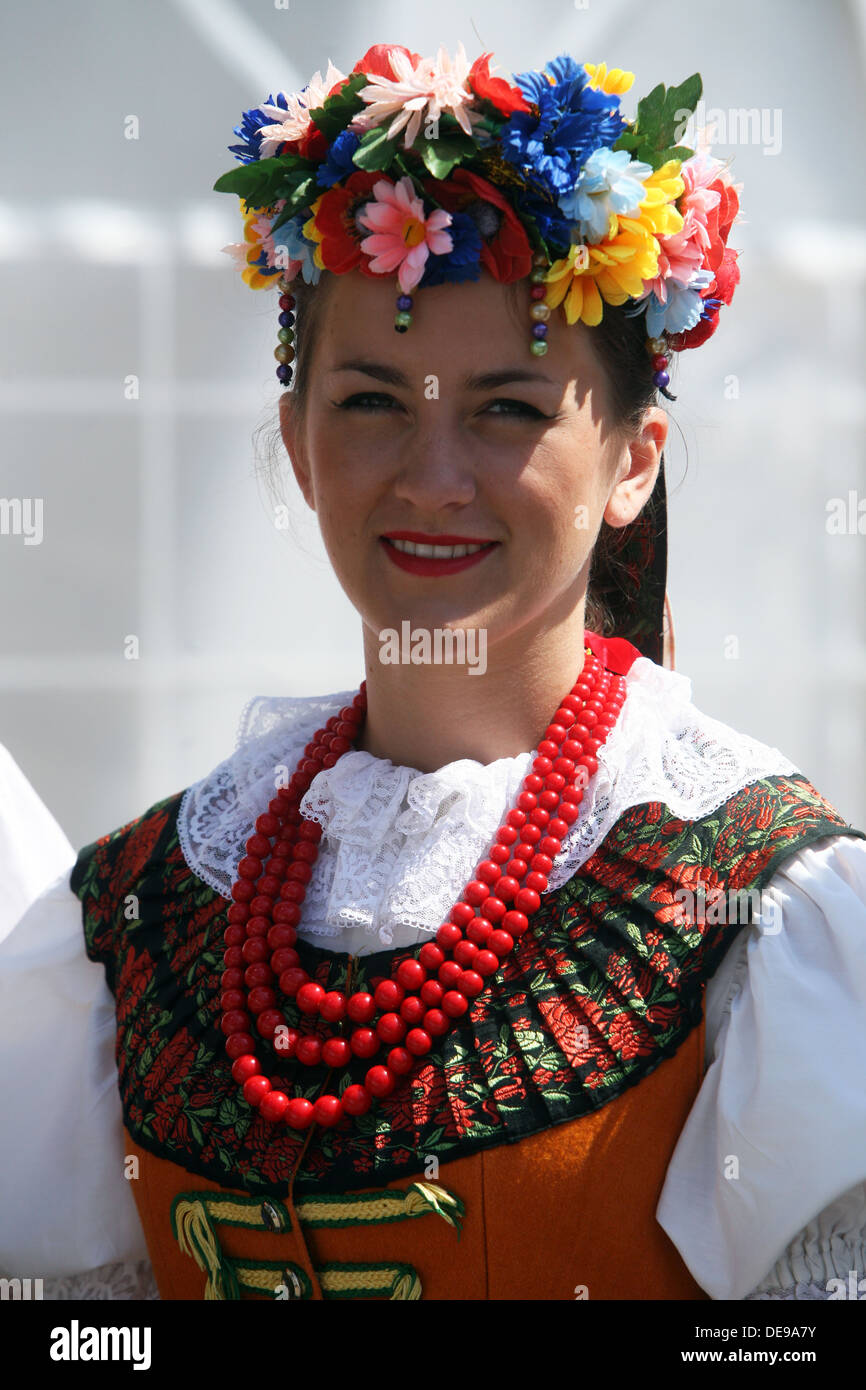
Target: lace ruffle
<point>805,1292</point>
<point>113,1281</point>
<point>399,844</point>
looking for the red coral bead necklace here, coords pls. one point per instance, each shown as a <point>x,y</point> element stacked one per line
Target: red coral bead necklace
<point>430,991</point>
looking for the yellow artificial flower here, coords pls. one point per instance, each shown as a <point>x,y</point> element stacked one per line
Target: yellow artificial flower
<point>615,82</point>
<point>312,233</point>
<point>657,210</point>
<point>614,270</point>
<point>252,274</point>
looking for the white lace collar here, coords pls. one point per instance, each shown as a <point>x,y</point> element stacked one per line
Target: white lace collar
<point>398,844</point>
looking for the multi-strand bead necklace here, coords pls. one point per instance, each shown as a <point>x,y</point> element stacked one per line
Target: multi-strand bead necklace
<point>428,992</point>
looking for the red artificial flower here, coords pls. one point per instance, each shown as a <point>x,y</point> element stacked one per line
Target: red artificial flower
<point>312,145</point>
<point>507,254</point>
<point>335,221</point>
<point>495,89</point>
<point>721,259</point>
<point>376,61</point>
<point>722,287</point>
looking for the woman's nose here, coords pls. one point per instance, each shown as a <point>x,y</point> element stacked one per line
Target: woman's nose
<point>438,468</point>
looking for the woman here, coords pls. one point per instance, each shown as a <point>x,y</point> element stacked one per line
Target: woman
<point>552,1000</point>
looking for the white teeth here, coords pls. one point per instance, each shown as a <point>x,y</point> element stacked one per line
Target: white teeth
<point>436,552</point>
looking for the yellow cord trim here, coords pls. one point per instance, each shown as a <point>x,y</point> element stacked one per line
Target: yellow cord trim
<point>234,1212</point>
<point>402,1283</point>
<point>417,1200</point>
<point>197,1238</point>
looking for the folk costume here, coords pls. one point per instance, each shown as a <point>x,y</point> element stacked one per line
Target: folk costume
<point>553,1008</point>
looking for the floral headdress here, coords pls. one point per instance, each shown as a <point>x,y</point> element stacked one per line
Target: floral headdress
<point>432,168</point>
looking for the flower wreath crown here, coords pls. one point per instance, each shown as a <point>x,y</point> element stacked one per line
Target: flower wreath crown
<point>433,169</point>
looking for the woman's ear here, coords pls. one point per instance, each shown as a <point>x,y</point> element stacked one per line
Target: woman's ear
<point>293,438</point>
<point>638,470</point>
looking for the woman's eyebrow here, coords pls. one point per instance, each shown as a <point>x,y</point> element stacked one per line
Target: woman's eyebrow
<point>479,381</point>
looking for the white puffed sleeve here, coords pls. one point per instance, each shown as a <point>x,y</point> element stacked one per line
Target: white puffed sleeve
<point>766,1189</point>
<point>66,1206</point>
<point>33,847</point>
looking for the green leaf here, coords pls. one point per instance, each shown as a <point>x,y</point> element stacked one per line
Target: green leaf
<point>229,1112</point>
<point>304,192</point>
<point>680,152</point>
<point>252,181</point>
<point>440,156</point>
<point>649,115</point>
<point>660,118</point>
<point>375,151</point>
<point>685,97</point>
<point>337,111</point>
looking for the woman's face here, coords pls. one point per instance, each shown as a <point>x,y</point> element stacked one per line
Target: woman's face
<point>454,428</point>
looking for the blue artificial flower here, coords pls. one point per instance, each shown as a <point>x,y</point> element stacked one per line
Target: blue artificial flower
<point>463,261</point>
<point>574,119</point>
<point>250,129</point>
<point>547,217</point>
<point>610,182</point>
<point>339,164</point>
<point>684,307</point>
<point>297,246</point>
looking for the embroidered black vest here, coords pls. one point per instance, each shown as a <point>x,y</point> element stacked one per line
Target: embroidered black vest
<point>606,984</point>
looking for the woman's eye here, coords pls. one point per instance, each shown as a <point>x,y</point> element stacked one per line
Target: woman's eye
<point>367,400</point>
<point>517,408</point>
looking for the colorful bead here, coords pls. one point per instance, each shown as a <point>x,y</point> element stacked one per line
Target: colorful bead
<point>356,1100</point>
<point>299,1113</point>
<point>327,1111</point>
<point>379,1081</point>
<point>274,1105</point>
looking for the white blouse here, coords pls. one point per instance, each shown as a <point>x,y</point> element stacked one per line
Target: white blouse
<point>765,1194</point>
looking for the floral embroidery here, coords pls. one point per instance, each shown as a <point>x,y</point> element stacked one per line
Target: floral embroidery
<point>606,984</point>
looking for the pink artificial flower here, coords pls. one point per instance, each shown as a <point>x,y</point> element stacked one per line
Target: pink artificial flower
<point>418,93</point>
<point>402,236</point>
<point>292,122</point>
<point>691,249</point>
<point>681,255</point>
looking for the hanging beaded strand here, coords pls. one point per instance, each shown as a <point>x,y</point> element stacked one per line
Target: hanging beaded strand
<point>285,352</point>
<point>539,312</point>
<point>403,316</point>
<point>658,351</point>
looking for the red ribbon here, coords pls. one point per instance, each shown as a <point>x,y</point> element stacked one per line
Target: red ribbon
<point>615,652</point>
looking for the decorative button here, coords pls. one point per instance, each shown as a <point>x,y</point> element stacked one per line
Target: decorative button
<point>271,1217</point>
<point>293,1284</point>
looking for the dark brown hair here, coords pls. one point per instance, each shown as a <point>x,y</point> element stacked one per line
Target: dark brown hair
<point>620,342</point>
